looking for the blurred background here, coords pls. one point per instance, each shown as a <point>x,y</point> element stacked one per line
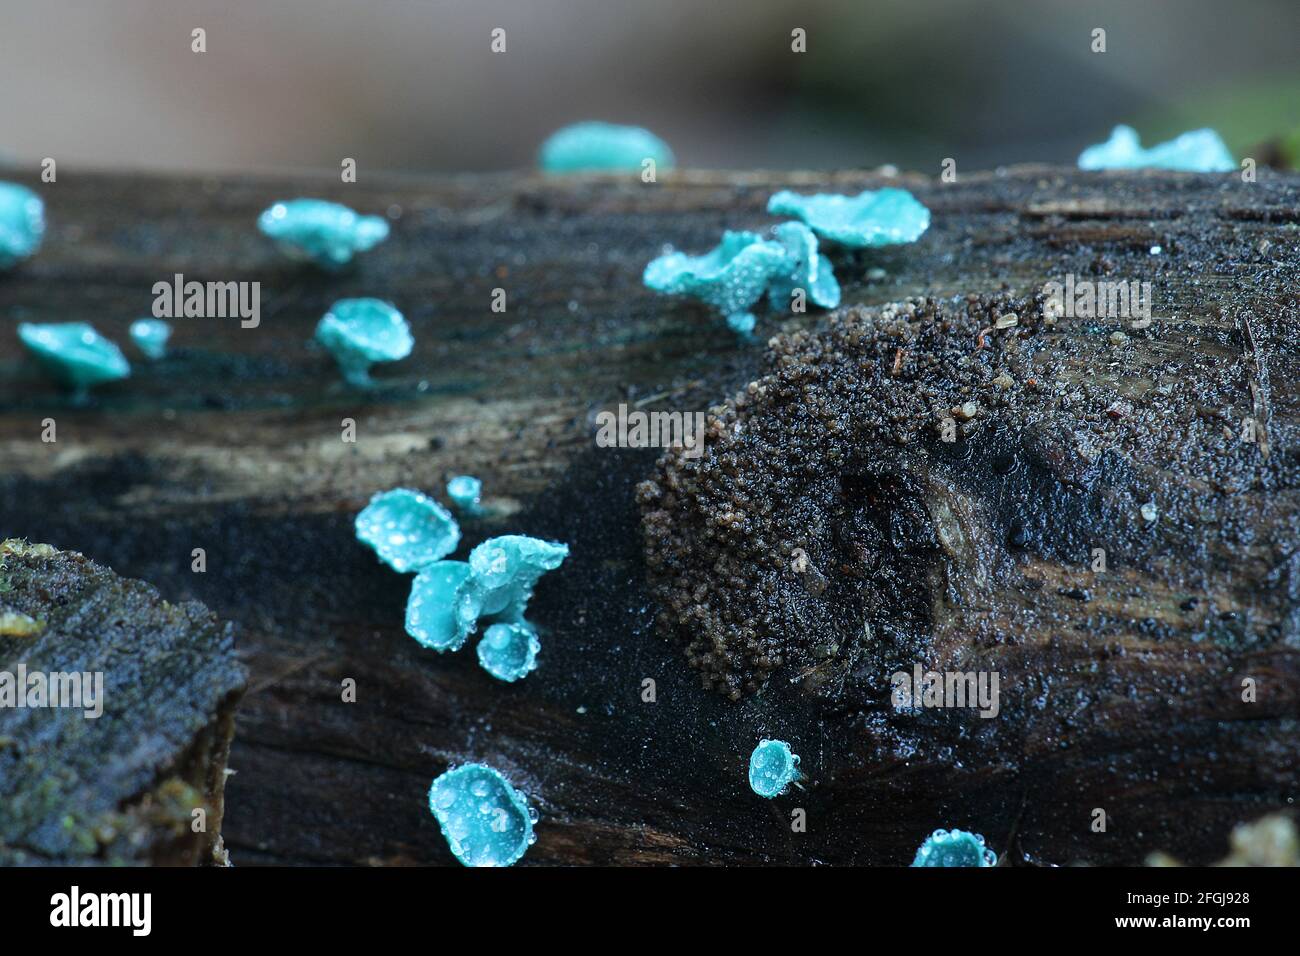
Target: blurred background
<point>412,84</point>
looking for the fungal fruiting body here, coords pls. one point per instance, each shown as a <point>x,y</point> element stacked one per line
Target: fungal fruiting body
<point>603,147</point>
<point>407,529</point>
<point>503,573</point>
<point>326,233</point>
<point>872,218</point>
<point>954,848</point>
<point>150,337</point>
<point>1198,151</point>
<point>743,267</point>
<point>485,820</point>
<point>448,599</point>
<point>22,223</point>
<point>361,332</point>
<point>806,269</point>
<point>731,277</point>
<point>772,768</point>
<point>74,353</point>
<point>509,651</point>
<point>430,609</point>
<point>464,491</point>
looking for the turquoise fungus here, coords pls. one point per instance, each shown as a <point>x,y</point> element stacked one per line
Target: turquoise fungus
<point>448,598</point>
<point>150,337</point>
<point>806,269</point>
<point>879,217</point>
<point>772,768</point>
<point>731,277</point>
<point>430,609</point>
<point>407,529</point>
<point>22,223</point>
<point>485,820</point>
<point>74,354</point>
<point>361,332</point>
<point>954,848</point>
<point>504,571</point>
<point>509,651</point>
<point>741,269</point>
<point>327,233</point>
<point>1198,151</point>
<point>464,491</point>
<point>603,147</point>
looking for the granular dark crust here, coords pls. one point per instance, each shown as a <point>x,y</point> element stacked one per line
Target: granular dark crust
<point>823,525</point>
<point>745,544</point>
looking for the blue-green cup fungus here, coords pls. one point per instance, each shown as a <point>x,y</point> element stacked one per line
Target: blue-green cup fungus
<point>772,768</point>
<point>504,571</point>
<point>407,529</point>
<point>1198,151</point>
<point>954,848</point>
<point>431,608</point>
<point>509,651</point>
<point>74,354</point>
<point>326,233</point>
<point>361,332</point>
<point>880,217</point>
<point>485,820</point>
<point>449,598</point>
<point>603,147</point>
<point>805,268</point>
<point>150,337</point>
<point>464,492</point>
<point>22,223</point>
<point>731,277</point>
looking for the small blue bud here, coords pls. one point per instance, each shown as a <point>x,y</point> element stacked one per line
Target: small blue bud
<point>150,337</point>
<point>772,768</point>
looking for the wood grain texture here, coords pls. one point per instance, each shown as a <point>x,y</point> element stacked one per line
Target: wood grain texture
<point>232,444</point>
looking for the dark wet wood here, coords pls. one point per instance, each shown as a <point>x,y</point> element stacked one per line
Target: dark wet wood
<point>233,444</point>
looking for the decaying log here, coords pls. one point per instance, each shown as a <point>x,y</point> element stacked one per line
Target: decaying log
<point>1120,690</point>
<point>116,713</point>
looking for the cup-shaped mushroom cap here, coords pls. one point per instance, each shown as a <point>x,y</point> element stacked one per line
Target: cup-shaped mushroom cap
<point>772,768</point>
<point>505,571</point>
<point>431,616</point>
<point>74,353</point>
<point>954,848</point>
<point>327,233</point>
<point>407,529</point>
<point>509,651</point>
<point>878,217</point>
<point>361,332</point>
<point>22,223</point>
<point>464,492</point>
<point>1198,151</point>
<point>732,276</point>
<point>603,147</point>
<point>486,821</point>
